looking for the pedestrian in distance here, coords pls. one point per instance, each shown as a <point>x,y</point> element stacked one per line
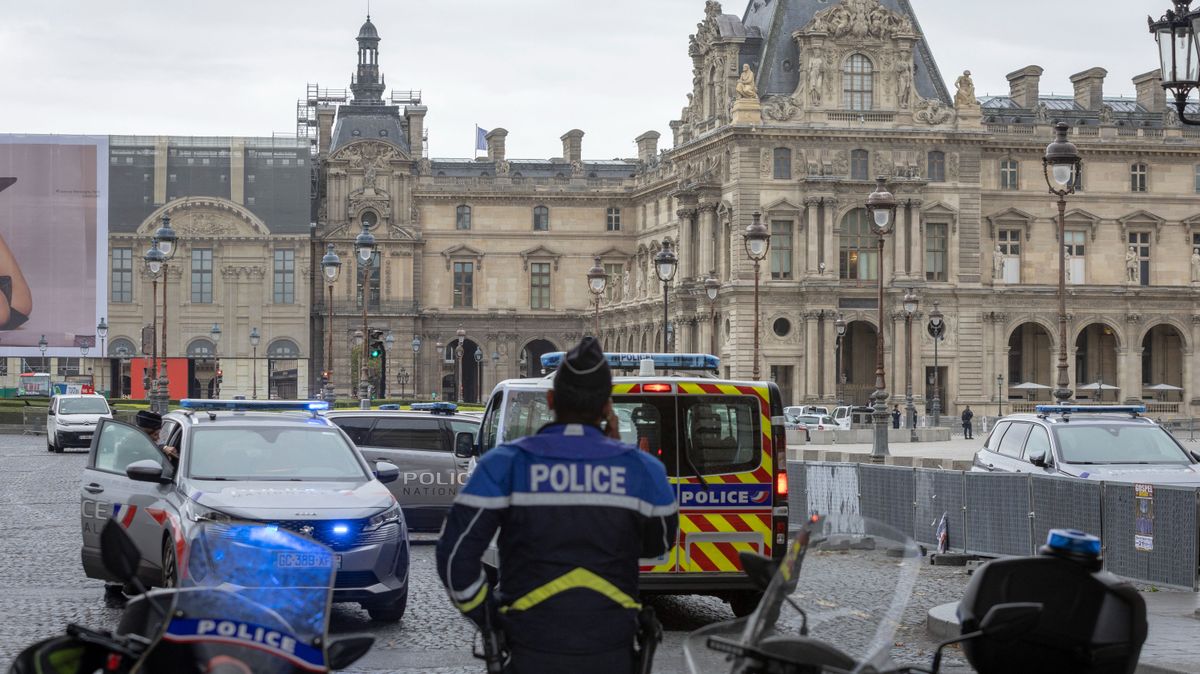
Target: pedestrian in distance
<point>967,415</point>
<point>575,509</point>
<point>895,416</point>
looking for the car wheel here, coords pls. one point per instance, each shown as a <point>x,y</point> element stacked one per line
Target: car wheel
<point>743,603</point>
<point>170,568</point>
<point>392,612</point>
<point>49,445</point>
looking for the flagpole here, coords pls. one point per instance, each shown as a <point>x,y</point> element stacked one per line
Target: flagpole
<point>475,142</point>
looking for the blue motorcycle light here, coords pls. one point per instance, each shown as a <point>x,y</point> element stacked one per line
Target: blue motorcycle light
<point>340,529</point>
<point>1073,541</point>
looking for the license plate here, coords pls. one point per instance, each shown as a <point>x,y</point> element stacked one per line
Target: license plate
<point>305,560</point>
<point>85,436</point>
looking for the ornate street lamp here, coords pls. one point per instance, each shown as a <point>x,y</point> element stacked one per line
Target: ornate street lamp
<point>1178,56</point>
<point>910,412</point>
<point>155,261</point>
<point>416,348</point>
<point>458,356</point>
<point>496,366</point>
<point>665,264</point>
<point>936,328</point>
<point>999,396</point>
<point>478,372</point>
<point>364,250</point>
<point>331,268</point>
<point>1060,166</point>
<point>757,239</point>
<point>254,339</point>
<point>215,334</point>
<point>712,286</point>
<point>881,207</point>
<point>389,342</point>
<point>167,243</point>
<point>597,282</point>
<point>102,332</point>
<point>839,327</point>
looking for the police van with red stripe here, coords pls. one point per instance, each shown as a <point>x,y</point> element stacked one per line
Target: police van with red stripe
<point>724,448</point>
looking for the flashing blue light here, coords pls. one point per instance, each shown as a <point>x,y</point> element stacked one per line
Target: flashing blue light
<point>1091,409</point>
<point>1073,541</point>
<point>390,406</point>
<point>633,361</point>
<point>340,530</point>
<point>201,404</point>
<point>435,408</point>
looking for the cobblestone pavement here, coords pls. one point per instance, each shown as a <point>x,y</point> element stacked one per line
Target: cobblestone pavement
<point>42,586</point>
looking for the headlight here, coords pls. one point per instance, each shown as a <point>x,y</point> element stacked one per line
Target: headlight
<point>198,513</point>
<point>388,516</point>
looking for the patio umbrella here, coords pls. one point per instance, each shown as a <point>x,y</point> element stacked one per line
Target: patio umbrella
<point>1029,386</point>
<point>1163,387</point>
<point>1097,386</point>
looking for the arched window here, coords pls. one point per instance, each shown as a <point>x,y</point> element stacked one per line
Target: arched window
<point>283,348</point>
<point>121,347</point>
<point>857,83</point>
<point>859,254</point>
<point>201,348</point>
<point>937,167</point>
<point>783,163</point>
<point>860,167</point>
<point>462,217</point>
<point>541,219</point>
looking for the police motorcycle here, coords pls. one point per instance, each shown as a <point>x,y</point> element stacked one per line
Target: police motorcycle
<point>841,601</point>
<point>254,598</point>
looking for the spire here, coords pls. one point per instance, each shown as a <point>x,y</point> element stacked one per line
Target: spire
<point>367,84</point>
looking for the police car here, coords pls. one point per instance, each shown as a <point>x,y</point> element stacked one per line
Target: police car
<point>244,461</point>
<point>724,448</point>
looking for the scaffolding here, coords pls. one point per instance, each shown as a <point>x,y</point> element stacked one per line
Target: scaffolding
<point>306,111</point>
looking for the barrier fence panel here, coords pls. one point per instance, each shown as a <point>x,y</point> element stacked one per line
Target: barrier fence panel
<point>997,513</point>
<point>886,494</point>
<point>797,493</point>
<point>34,419</point>
<point>832,490</point>
<point>1151,539</point>
<point>939,492</point>
<point>1063,503</point>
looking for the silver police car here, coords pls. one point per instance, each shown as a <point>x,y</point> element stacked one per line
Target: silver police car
<point>242,461</point>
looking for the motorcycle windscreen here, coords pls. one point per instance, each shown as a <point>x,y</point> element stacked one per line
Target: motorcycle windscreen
<point>255,598</point>
<point>852,585</point>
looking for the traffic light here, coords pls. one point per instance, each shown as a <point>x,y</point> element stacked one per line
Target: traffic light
<point>325,377</point>
<point>376,349</point>
<point>220,376</point>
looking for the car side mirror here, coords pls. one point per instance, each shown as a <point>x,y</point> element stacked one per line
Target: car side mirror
<point>1038,458</point>
<point>118,552</point>
<point>344,651</point>
<point>146,470</point>
<point>464,444</point>
<point>1195,455</point>
<point>386,471</point>
<point>49,412</point>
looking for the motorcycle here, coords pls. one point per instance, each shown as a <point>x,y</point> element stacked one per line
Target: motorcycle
<point>840,601</point>
<point>252,598</point>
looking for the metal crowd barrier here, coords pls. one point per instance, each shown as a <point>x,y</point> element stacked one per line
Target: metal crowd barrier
<point>1153,536</point>
<point>33,420</point>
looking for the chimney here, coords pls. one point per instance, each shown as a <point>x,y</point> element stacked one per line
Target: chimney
<point>1023,86</point>
<point>572,145</point>
<point>495,144</point>
<point>647,145</point>
<point>416,129</point>
<point>1150,94</point>
<point>1089,88</point>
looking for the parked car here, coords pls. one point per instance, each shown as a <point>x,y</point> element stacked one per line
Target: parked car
<point>421,443</point>
<point>1097,442</point>
<point>797,410</point>
<point>71,420</point>
<point>847,416</point>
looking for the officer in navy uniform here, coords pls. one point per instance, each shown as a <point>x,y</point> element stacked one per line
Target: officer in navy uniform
<point>576,509</point>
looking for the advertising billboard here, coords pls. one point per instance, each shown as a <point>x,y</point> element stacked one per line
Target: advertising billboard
<point>53,241</point>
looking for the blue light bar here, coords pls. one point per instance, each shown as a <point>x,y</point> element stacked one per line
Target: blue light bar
<point>435,408</point>
<point>205,405</point>
<point>1074,541</point>
<point>1091,409</point>
<point>633,361</point>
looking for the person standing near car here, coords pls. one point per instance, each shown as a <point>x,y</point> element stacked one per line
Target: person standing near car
<point>151,424</point>
<point>967,415</point>
<point>575,508</point>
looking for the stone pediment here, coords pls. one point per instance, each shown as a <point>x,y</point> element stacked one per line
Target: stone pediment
<point>363,153</point>
<point>463,251</point>
<point>861,19</point>
<point>1010,216</point>
<point>1078,217</point>
<point>206,217</point>
<point>782,205</point>
<point>1141,218</point>
<point>539,252</point>
<point>613,252</point>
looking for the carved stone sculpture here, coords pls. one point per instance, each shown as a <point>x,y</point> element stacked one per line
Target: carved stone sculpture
<point>1041,113</point>
<point>997,264</point>
<point>745,86</point>
<point>1171,117</point>
<point>904,82</point>
<point>1196,265</point>
<point>931,111</point>
<point>952,166</point>
<point>1133,270</point>
<point>1067,263</point>
<point>841,166</point>
<point>624,285</point>
<point>1106,114</point>
<point>779,108</point>
<point>965,97</point>
<point>816,78</point>
<point>860,18</point>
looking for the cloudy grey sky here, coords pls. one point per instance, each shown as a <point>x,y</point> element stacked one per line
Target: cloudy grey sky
<point>536,67</point>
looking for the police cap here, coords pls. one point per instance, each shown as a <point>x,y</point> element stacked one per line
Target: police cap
<point>585,367</point>
<point>150,421</point>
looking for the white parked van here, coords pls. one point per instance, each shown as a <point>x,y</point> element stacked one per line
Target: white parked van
<point>71,420</point>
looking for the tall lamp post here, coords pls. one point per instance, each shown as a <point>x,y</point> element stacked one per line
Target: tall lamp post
<point>123,356</point>
<point>254,339</point>
<point>478,372</point>
<point>167,240</point>
<point>910,412</point>
<point>881,206</point>
<point>1060,166</point>
<point>215,334</point>
<point>389,342</point>
<point>936,327</point>
<point>364,249</point>
<point>458,357</point>
<point>597,282</point>
<point>440,359</point>
<point>712,286</point>
<point>496,367</point>
<point>102,332</point>
<point>416,348</point>
<point>402,379</point>
<point>665,264</point>
<point>757,239</point>
<point>1177,51</point>
<point>331,267</point>
<point>839,326</point>
<point>155,260</point>
<point>999,396</point>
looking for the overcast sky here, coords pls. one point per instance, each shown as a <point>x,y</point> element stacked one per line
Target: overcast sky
<point>535,67</point>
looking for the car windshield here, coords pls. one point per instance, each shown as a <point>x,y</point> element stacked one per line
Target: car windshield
<point>525,413</point>
<point>1117,443</point>
<point>272,453</point>
<point>82,406</point>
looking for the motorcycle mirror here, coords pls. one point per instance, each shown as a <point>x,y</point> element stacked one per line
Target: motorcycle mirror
<point>1007,621</point>
<point>344,651</point>
<point>758,568</point>
<point>118,552</point>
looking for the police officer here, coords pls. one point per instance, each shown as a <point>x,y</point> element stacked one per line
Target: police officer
<point>576,508</point>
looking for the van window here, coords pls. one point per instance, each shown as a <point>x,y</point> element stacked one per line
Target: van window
<point>491,422</point>
<point>358,428</point>
<point>409,433</point>
<point>993,441</point>
<point>526,412</point>
<point>709,435</point>
<point>1014,440</point>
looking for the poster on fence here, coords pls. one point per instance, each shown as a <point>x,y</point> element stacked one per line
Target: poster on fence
<point>1143,517</point>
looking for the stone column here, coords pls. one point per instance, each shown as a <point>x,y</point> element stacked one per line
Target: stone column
<point>916,243</point>
<point>829,251</point>
<point>811,243</point>
<point>828,356</point>
<point>707,243</point>
<point>687,263</point>
<point>810,388</point>
<point>1133,390</point>
<point>900,243</point>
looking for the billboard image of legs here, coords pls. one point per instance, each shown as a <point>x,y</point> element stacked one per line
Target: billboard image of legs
<point>53,241</point>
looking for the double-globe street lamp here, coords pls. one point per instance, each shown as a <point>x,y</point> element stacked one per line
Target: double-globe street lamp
<point>1060,166</point>
<point>936,329</point>
<point>757,239</point>
<point>597,282</point>
<point>665,264</point>
<point>910,412</point>
<point>839,326</point>
<point>389,343</point>
<point>331,267</point>
<point>162,250</point>
<point>712,286</point>
<point>254,339</point>
<point>461,335</point>
<point>881,207</point>
<point>1179,54</point>
<point>416,348</point>
<point>364,250</point>
<point>102,332</point>
<point>478,372</point>
<point>215,334</point>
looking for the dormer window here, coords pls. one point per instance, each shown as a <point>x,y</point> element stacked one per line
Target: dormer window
<point>857,83</point>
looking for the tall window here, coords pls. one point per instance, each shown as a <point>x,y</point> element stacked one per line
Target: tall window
<point>1009,241</point>
<point>783,163</point>
<point>285,276</point>
<point>1009,175</point>
<point>857,83</point>
<point>464,284</point>
<point>614,289</point>
<point>1137,177</point>
<point>541,219</point>
<point>122,275</point>
<point>781,249</point>
<point>612,219</point>
<point>782,376</point>
<point>539,285</point>
<point>936,246</point>
<point>858,255</point>
<point>1077,178</point>
<point>1140,242</point>
<point>462,217</point>
<point>202,275</point>
<point>67,366</point>
<point>372,282</point>
<point>937,167</point>
<point>1074,242</point>
<point>859,166</point>
<point>1196,179</point>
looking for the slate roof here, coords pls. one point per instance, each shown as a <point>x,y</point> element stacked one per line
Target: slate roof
<point>381,122</point>
<point>1003,109</point>
<point>533,168</point>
